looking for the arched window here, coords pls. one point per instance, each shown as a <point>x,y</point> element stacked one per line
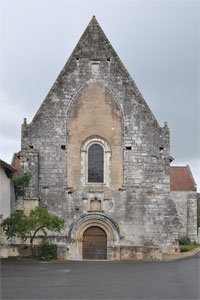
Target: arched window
<point>95,163</point>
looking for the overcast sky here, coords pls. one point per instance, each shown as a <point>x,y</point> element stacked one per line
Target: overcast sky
<point>156,40</point>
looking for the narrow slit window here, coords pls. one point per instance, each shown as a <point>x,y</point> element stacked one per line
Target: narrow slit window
<point>95,163</point>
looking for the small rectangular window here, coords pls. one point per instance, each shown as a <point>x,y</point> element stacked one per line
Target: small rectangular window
<point>63,147</point>
<point>128,147</point>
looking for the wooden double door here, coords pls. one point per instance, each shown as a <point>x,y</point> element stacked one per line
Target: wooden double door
<point>94,243</point>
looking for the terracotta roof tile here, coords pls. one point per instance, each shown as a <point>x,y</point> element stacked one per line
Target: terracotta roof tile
<point>181,179</point>
<point>17,164</point>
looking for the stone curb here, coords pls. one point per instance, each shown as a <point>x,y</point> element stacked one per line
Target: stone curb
<point>169,257</point>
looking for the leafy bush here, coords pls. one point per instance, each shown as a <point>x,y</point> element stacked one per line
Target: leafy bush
<point>184,249</point>
<point>39,220</point>
<point>20,182</point>
<point>184,241</point>
<point>47,251</point>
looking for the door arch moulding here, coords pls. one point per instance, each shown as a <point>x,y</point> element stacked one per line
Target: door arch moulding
<point>78,228</point>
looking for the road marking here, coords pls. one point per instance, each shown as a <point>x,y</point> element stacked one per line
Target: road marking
<point>66,271</point>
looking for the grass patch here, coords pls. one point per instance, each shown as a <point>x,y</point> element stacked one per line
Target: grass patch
<point>186,248</point>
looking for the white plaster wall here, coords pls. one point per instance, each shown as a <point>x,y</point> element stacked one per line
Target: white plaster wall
<point>4,194</point>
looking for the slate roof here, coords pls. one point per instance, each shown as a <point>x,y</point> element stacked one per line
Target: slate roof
<point>181,179</point>
<point>8,168</point>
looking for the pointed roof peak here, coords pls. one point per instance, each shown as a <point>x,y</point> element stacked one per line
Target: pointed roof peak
<point>93,21</point>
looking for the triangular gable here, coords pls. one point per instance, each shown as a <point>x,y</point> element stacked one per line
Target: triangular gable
<point>88,49</point>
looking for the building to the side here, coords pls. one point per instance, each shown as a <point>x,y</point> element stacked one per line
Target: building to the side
<point>184,195</point>
<point>7,197</point>
<point>99,159</point>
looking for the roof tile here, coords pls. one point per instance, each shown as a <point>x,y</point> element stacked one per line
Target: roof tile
<point>181,179</point>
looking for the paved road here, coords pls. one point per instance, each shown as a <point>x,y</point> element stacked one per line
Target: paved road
<point>101,280</point>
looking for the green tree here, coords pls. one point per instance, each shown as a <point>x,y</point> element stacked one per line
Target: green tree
<point>20,182</point>
<point>20,225</point>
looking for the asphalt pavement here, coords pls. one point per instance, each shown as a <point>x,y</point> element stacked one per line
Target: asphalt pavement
<point>178,279</point>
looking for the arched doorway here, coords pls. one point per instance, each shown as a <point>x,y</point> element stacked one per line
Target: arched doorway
<point>94,243</point>
<point>95,219</point>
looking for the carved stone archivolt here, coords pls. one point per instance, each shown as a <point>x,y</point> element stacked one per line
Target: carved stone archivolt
<point>93,220</point>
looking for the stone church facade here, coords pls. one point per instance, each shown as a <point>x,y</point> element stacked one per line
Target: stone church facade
<point>99,159</point>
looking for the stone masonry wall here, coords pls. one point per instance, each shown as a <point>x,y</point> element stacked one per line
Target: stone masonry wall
<point>95,114</point>
<point>142,208</point>
<point>186,205</point>
<point>30,163</point>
